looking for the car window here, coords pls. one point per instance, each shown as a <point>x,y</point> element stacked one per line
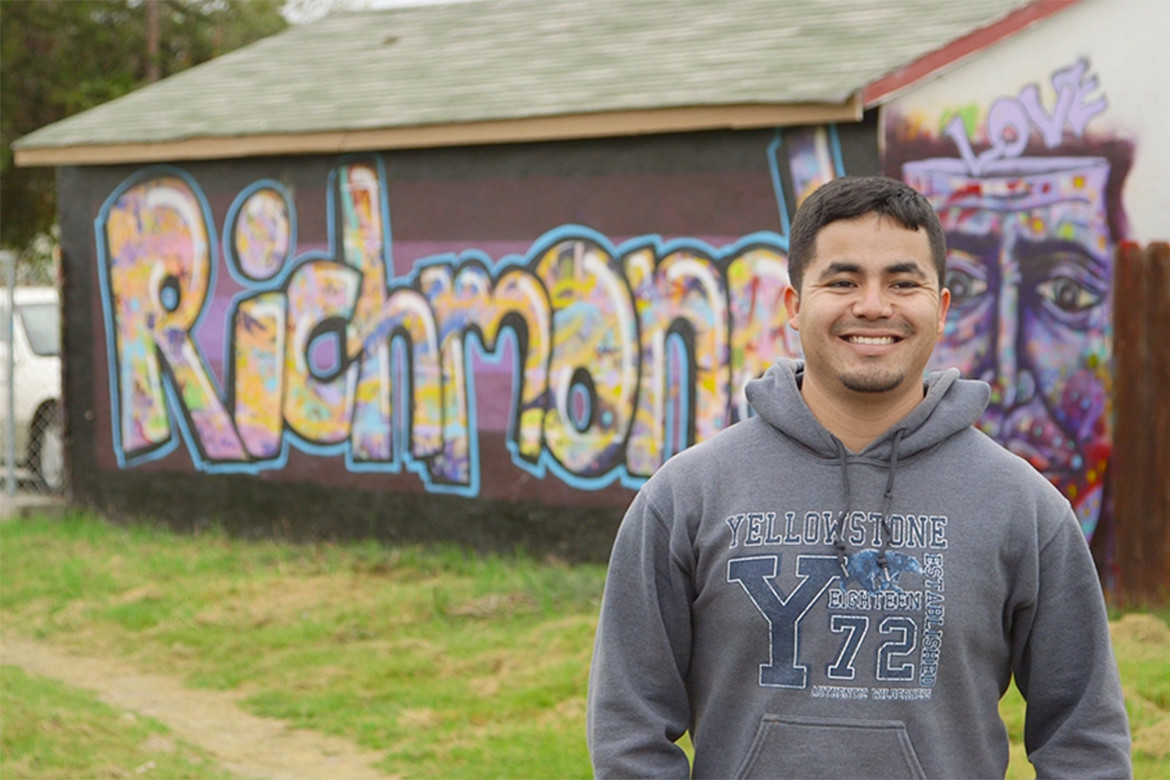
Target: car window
<point>42,326</point>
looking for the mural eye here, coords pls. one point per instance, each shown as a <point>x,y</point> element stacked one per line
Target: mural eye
<point>1068,295</point>
<point>965,287</point>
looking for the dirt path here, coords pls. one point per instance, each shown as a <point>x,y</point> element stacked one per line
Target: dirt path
<point>245,744</point>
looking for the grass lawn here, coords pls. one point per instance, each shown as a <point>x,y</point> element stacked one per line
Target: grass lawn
<point>53,731</point>
<point>448,663</point>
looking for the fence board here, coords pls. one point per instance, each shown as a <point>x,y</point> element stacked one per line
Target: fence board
<point>1141,455</point>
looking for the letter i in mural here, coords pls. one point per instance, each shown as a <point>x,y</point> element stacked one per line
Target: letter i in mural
<point>258,244</point>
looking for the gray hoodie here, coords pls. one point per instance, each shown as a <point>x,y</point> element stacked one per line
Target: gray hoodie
<point>738,608</point>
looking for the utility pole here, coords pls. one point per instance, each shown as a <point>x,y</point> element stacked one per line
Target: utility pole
<point>8,263</point>
<point>152,44</point>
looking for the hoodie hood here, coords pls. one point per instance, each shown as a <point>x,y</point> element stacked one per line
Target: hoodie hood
<point>951,405</point>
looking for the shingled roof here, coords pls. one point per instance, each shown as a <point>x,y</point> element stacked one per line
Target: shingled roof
<point>516,70</point>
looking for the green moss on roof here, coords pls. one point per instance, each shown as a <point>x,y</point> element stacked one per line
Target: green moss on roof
<point>515,59</point>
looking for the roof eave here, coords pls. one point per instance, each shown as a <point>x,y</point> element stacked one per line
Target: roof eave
<point>935,62</point>
<point>528,129</point>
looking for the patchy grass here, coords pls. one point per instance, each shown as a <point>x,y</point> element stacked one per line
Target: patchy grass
<point>447,663</point>
<point>1141,642</point>
<point>53,731</point>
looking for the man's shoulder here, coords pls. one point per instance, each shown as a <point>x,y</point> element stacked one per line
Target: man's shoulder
<point>732,450</point>
<point>989,462</point>
<point>737,443</point>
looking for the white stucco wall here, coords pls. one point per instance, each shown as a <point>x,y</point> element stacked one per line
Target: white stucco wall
<point>1124,43</point>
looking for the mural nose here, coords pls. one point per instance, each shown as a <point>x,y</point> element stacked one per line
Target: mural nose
<point>1008,380</point>
<point>1014,387</point>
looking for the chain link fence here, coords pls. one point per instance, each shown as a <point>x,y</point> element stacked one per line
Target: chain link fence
<point>32,444</point>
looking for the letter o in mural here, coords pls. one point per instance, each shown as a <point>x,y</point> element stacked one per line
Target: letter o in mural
<point>594,364</point>
<point>260,231</point>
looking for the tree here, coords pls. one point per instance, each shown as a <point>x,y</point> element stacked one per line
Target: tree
<point>60,57</point>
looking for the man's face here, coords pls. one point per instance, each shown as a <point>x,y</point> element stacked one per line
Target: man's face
<point>869,310</point>
<point>1029,270</point>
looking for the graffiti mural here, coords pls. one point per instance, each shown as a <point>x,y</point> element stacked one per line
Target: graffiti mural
<point>246,337</point>
<point>620,353</point>
<point>1031,219</point>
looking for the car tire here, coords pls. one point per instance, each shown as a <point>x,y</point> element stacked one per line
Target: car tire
<point>46,450</point>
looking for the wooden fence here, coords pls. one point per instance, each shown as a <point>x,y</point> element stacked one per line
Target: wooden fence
<point>1140,573</point>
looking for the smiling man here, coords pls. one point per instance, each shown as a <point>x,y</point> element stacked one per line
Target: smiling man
<point>844,584</point>
<point>869,312</point>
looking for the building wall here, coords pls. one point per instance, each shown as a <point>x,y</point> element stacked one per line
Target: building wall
<point>484,333</point>
<point>498,345</point>
<point>1041,155</point>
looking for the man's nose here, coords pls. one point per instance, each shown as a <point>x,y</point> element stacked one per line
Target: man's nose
<point>872,302</point>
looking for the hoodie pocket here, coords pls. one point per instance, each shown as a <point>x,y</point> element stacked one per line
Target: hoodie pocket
<point>828,748</point>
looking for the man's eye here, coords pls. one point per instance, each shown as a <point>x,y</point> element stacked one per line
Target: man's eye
<point>1067,294</point>
<point>964,287</point>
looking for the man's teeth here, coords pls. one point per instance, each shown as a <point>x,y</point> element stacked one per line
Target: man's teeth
<point>872,339</point>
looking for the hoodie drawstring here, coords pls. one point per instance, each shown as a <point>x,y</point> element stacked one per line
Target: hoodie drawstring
<point>839,536</point>
<point>887,503</point>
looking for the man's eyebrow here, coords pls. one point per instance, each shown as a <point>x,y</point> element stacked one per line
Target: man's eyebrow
<point>839,267</point>
<point>914,269</point>
<point>842,267</point>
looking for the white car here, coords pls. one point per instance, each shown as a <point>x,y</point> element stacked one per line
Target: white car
<point>33,349</point>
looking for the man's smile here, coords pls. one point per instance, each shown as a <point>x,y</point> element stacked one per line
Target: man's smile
<point>871,340</point>
<point>870,334</point>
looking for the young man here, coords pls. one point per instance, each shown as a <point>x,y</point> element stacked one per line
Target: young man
<point>844,584</point>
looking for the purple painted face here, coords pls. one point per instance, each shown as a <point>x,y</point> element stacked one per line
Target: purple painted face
<point>1029,269</point>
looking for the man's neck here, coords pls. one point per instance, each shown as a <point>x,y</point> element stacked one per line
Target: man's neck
<point>858,418</point>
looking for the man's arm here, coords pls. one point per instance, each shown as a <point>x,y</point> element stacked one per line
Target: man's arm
<point>638,703</point>
<point>1076,725</point>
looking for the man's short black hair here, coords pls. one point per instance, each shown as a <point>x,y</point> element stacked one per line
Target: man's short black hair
<point>850,197</point>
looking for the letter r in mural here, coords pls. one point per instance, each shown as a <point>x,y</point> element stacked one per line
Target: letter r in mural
<point>158,271</point>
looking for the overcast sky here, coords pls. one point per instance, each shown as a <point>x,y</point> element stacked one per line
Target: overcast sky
<point>302,11</point>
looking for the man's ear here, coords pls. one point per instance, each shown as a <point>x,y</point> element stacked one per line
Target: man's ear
<point>944,305</point>
<point>792,305</point>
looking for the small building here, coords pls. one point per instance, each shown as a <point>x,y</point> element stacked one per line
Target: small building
<point>474,271</point>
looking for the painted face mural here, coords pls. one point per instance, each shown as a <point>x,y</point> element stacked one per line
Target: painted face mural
<point>1031,220</point>
<point>1029,269</point>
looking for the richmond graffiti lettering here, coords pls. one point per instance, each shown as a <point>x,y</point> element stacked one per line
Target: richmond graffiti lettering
<point>620,354</point>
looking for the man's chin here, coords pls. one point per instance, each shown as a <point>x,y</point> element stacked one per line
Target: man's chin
<point>872,383</point>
